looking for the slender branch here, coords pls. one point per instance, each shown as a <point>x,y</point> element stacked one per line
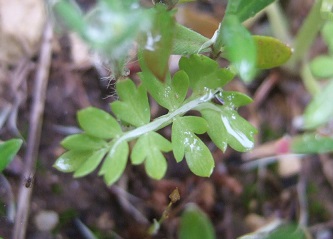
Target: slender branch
<point>36,114</point>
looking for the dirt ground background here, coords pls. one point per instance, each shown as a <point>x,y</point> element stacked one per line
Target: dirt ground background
<point>237,199</point>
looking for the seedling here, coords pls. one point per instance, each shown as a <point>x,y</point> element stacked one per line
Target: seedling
<point>194,87</point>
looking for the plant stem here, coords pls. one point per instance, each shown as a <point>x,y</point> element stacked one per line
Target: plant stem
<point>165,119</point>
<point>309,81</point>
<point>306,35</point>
<point>278,22</point>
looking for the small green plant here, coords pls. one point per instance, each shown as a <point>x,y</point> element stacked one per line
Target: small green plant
<point>110,29</point>
<point>319,112</point>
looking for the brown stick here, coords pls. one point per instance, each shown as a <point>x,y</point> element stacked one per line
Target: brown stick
<point>36,114</point>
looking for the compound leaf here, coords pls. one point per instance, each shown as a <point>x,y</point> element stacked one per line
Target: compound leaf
<point>185,142</point>
<point>98,123</point>
<point>133,106</point>
<point>204,72</point>
<point>149,148</point>
<point>115,162</point>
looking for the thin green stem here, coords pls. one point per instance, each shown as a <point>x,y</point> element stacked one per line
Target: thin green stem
<point>306,35</point>
<point>311,84</point>
<point>163,120</point>
<point>278,22</point>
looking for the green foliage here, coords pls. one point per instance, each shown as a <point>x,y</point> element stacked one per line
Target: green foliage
<point>115,162</point>
<point>149,148</point>
<point>239,46</point>
<point>326,9</point>
<point>227,127</point>
<point>8,150</point>
<point>270,52</point>
<point>159,43</point>
<point>185,142</point>
<point>204,72</point>
<point>322,66</point>
<point>187,41</point>
<point>245,9</point>
<point>104,138</point>
<point>98,123</point>
<point>111,29</point>
<point>312,143</point>
<point>320,110</point>
<point>132,106</point>
<point>194,224</point>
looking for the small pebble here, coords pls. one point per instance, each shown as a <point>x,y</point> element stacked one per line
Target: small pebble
<point>46,220</point>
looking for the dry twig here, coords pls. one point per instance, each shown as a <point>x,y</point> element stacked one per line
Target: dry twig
<point>36,114</point>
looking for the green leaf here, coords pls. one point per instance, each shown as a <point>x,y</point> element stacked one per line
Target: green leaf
<point>176,90</point>
<point>320,109</point>
<point>112,28</point>
<point>195,224</point>
<point>187,41</point>
<point>8,150</point>
<point>71,15</point>
<point>288,231</point>
<point>159,42</point>
<point>149,147</point>
<point>71,160</point>
<point>90,164</point>
<point>115,162</point>
<point>245,9</point>
<point>133,106</point>
<point>170,94</point>
<point>271,52</point>
<point>234,99</point>
<point>322,66</point>
<point>225,126</point>
<point>185,142</point>
<point>98,123</point>
<point>326,10</point>
<point>204,72</point>
<point>83,142</point>
<point>327,33</point>
<point>312,143</point>
<point>239,47</point>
